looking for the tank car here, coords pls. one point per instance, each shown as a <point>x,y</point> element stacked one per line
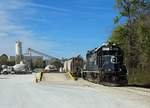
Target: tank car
<point>105,65</point>
<point>74,66</point>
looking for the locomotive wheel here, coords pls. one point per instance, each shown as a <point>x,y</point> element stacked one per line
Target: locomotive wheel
<point>98,78</point>
<point>84,75</point>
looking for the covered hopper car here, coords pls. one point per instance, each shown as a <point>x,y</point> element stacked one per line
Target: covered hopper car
<point>74,66</point>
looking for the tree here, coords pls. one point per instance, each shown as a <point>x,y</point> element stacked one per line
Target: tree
<point>118,36</point>
<point>143,32</point>
<point>57,63</point>
<point>3,59</point>
<point>38,63</point>
<point>134,36</point>
<point>128,8</point>
<point>10,63</point>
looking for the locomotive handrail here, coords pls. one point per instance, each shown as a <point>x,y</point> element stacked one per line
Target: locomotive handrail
<point>91,71</point>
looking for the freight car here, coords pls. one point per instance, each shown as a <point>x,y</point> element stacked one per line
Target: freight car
<point>74,66</point>
<point>105,65</point>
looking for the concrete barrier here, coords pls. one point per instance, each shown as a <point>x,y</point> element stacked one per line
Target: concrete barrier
<point>38,77</point>
<point>71,77</point>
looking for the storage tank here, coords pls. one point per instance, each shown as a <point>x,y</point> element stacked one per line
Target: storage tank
<point>65,66</point>
<point>20,68</point>
<point>18,48</point>
<point>69,65</point>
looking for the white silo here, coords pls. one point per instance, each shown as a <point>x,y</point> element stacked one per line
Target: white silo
<point>19,55</point>
<point>18,48</point>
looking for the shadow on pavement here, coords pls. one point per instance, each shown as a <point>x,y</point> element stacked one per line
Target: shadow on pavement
<point>141,86</point>
<point>4,78</point>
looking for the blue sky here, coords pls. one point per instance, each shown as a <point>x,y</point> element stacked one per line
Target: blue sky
<point>61,28</point>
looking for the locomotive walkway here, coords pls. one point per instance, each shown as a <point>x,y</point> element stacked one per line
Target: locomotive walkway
<point>19,91</point>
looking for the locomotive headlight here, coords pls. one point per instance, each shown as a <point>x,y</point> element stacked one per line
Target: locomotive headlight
<point>109,69</point>
<point>114,59</point>
<point>120,69</point>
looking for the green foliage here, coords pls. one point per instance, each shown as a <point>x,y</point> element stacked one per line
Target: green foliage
<point>18,59</point>
<point>10,63</point>
<point>3,59</point>
<point>116,19</point>
<point>57,63</point>
<point>134,37</point>
<point>119,37</point>
<point>38,63</point>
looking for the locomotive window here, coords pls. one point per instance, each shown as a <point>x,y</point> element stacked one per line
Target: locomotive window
<point>105,49</point>
<point>111,53</point>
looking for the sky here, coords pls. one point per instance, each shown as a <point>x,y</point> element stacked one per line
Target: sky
<point>60,28</point>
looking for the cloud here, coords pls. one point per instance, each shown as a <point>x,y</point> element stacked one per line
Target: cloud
<point>47,7</point>
<point>12,4</point>
<point>7,26</point>
<point>11,29</point>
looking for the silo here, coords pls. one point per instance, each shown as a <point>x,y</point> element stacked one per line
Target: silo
<point>18,48</point>
<point>18,51</point>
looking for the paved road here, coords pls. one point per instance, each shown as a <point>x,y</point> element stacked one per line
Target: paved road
<point>19,91</point>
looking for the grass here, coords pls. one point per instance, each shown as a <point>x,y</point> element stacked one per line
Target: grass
<point>139,78</point>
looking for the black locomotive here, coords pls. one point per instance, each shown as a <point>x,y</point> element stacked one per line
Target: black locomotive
<point>105,65</point>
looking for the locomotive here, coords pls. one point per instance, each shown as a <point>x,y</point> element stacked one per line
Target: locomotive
<point>74,66</point>
<point>105,65</point>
